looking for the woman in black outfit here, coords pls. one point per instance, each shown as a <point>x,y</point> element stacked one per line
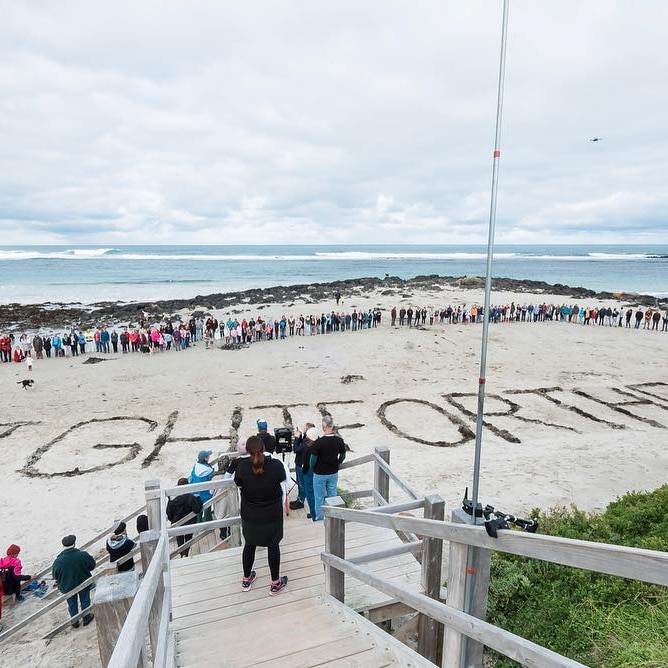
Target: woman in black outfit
<point>260,478</point>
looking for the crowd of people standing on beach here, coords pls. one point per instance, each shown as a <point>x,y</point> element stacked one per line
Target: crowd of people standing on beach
<point>167,335</point>
<point>648,319</point>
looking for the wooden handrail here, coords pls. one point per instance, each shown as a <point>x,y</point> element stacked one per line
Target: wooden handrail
<point>132,637</point>
<point>627,562</point>
<point>401,507</point>
<point>413,548</point>
<point>217,482</point>
<point>203,526</point>
<point>524,651</point>
<point>396,477</point>
<point>364,459</point>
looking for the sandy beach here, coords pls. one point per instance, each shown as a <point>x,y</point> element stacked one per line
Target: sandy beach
<point>574,415</point>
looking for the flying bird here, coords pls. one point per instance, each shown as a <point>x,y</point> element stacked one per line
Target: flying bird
<point>596,139</point>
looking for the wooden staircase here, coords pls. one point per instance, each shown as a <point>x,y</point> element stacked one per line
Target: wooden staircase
<point>216,624</point>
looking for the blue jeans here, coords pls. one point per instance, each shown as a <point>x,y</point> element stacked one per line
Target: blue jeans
<point>301,495</point>
<point>84,597</point>
<point>308,492</point>
<point>324,486</point>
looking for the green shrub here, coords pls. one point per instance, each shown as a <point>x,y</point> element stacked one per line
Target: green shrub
<point>599,620</point>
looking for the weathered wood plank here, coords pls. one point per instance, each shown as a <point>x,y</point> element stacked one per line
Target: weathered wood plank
<point>385,466</point>
<point>628,562</point>
<point>453,640</point>
<point>429,630</point>
<point>355,644</point>
<point>524,651</point>
<point>299,630</point>
<point>130,642</point>
<point>335,543</point>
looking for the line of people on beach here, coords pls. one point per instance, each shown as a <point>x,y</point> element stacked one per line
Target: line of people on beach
<point>649,319</point>
<point>166,335</point>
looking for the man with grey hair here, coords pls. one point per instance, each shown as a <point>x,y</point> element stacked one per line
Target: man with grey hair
<point>327,454</point>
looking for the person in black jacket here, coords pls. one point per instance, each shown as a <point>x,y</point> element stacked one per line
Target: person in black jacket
<point>179,507</point>
<point>119,545</point>
<point>260,478</point>
<point>299,448</point>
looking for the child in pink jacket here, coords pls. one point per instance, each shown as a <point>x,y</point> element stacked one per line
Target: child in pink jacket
<point>12,576</point>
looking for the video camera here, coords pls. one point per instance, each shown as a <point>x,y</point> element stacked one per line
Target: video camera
<point>283,436</point>
<point>497,519</point>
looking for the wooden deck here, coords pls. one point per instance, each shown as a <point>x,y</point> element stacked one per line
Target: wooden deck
<point>216,624</point>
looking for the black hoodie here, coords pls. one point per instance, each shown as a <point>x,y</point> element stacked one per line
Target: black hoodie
<point>119,546</point>
<point>180,506</point>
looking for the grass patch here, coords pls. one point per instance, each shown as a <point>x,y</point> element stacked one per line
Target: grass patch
<point>599,620</point>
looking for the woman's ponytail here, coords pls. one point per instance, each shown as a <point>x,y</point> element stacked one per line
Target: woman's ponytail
<point>255,448</point>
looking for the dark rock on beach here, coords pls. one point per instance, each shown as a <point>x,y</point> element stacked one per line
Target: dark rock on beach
<point>59,316</point>
<point>94,360</point>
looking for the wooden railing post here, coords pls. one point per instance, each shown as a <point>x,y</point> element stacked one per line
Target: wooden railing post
<point>429,630</point>
<point>233,510</point>
<point>148,541</point>
<point>113,598</point>
<point>335,543</point>
<point>454,644</point>
<point>152,490</point>
<point>381,480</point>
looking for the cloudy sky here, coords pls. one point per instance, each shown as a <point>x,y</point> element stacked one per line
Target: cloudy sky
<point>331,122</point>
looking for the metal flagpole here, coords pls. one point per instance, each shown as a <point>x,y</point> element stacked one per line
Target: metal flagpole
<point>470,571</point>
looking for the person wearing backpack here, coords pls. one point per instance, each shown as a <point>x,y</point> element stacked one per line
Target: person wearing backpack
<point>181,506</point>
<point>10,573</point>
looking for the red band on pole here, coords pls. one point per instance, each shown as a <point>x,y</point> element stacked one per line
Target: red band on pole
<point>470,571</point>
<point>497,153</point>
<point>481,381</point>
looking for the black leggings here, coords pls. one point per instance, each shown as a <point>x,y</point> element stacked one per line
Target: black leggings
<point>273,557</point>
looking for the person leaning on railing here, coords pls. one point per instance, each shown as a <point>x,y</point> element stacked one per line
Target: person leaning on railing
<point>181,506</point>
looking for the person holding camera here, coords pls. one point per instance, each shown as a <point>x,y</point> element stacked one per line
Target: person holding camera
<point>259,478</point>
<point>326,455</point>
<point>299,448</point>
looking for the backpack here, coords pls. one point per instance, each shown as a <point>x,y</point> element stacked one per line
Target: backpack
<point>10,583</point>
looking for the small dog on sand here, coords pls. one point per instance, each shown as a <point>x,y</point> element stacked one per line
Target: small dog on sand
<point>28,382</point>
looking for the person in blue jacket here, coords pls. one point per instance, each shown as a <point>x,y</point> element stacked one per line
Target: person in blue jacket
<point>202,471</point>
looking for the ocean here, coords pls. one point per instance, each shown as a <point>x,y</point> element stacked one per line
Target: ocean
<point>87,274</point>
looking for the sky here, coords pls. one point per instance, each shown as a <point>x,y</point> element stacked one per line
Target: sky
<point>331,122</point>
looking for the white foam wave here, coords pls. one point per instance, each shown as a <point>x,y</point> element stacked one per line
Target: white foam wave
<point>322,256</point>
<point>69,254</point>
<point>618,256</point>
<point>89,252</point>
<point>362,255</point>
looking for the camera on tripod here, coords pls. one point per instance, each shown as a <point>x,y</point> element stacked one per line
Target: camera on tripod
<point>283,436</point>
